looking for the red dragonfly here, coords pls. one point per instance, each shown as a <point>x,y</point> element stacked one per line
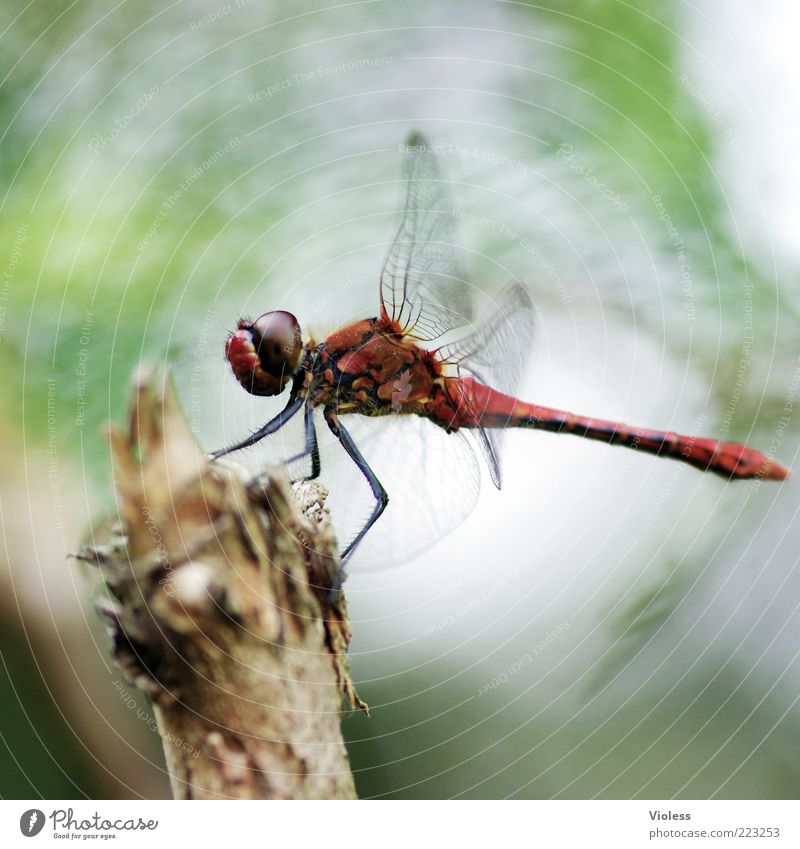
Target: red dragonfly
<point>412,361</point>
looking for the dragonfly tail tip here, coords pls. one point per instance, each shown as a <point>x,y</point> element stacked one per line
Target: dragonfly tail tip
<point>774,471</point>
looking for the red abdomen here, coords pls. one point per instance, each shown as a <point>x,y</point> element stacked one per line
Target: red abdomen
<point>467,403</point>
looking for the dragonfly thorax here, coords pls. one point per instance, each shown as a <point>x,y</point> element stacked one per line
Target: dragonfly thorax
<point>370,368</point>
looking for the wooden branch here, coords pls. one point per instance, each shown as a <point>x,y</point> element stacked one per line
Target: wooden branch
<point>220,611</point>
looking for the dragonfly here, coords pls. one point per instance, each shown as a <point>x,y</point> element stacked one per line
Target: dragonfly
<point>425,356</point>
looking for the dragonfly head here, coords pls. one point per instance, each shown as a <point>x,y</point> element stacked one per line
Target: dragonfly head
<point>264,354</point>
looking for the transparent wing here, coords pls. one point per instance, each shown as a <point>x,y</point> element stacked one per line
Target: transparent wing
<point>423,286</point>
<point>495,355</point>
<point>432,479</point>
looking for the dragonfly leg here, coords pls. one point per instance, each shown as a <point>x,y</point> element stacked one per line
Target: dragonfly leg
<point>311,446</point>
<point>269,428</point>
<point>381,496</point>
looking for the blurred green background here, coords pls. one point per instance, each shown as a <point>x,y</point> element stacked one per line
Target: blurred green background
<point>610,625</point>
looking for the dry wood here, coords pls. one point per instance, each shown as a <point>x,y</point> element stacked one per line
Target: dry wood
<point>220,611</point>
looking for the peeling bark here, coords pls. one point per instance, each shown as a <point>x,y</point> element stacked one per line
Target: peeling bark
<point>220,610</point>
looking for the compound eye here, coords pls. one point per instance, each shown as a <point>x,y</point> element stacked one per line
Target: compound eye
<point>265,353</point>
<point>278,343</point>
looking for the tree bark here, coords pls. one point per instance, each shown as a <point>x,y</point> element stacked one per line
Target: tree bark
<point>220,610</point>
